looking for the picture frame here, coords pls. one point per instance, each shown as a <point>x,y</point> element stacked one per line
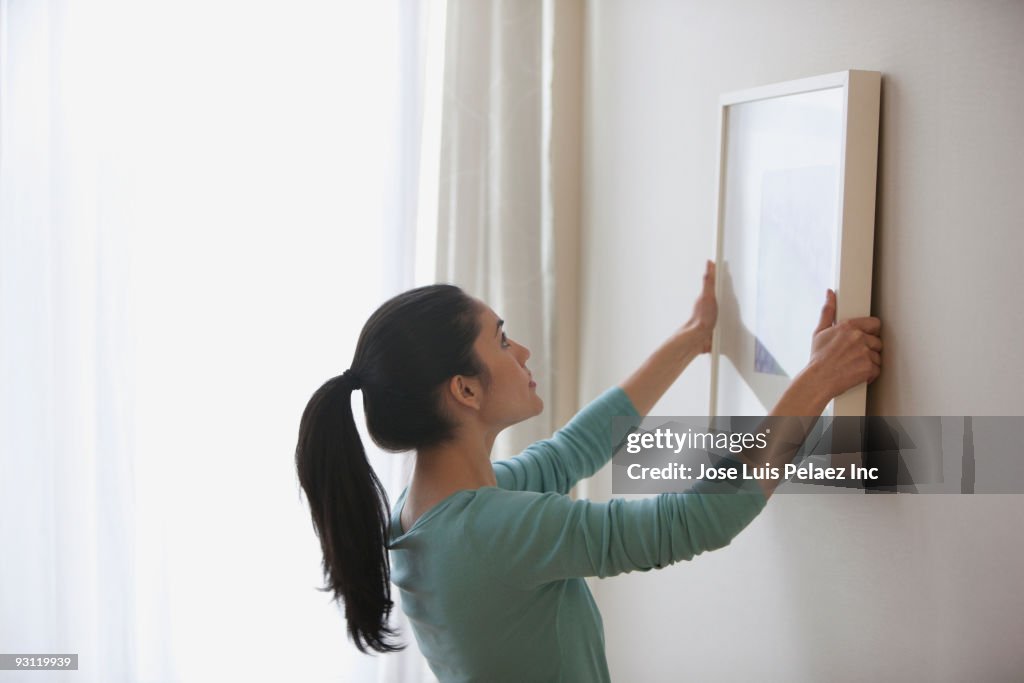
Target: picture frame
<point>797,166</point>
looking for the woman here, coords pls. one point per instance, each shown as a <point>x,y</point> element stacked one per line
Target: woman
<point>490,556</point>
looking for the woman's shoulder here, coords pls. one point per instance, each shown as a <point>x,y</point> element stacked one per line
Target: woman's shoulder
<point>490,506</point>
<point>492,511</point>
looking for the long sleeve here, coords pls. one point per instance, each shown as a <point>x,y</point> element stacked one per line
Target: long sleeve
<point>575,452</point>
<point>494,572</point>
<point>534,538</point>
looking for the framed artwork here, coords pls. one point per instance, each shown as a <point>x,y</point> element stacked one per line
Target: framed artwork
<point>796,214</point>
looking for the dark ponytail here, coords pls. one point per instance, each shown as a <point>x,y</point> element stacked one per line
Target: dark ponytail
<point>406,352</point>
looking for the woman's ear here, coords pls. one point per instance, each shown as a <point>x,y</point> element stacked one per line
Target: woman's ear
<point>466,391</point>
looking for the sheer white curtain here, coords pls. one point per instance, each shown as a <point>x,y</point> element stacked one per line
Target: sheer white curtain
<point>508,221</point>
<point>200,204</point>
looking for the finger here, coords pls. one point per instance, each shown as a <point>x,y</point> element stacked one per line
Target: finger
<point>873,342</point>
<point>709,275</point>
<point>828,312</point>
<point>875,357</point>
<point>868,324</point>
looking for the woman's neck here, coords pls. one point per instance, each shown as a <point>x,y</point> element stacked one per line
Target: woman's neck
<point>464,463</point>
<point>456,466</point>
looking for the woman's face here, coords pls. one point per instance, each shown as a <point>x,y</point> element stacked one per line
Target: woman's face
<point>511,396</point>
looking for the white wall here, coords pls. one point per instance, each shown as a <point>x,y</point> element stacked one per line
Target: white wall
<point>821,587</point>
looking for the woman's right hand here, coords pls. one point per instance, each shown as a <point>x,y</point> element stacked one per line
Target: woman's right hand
<point>847,353</point>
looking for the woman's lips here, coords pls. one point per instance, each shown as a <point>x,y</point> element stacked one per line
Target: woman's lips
<point>532,383</point>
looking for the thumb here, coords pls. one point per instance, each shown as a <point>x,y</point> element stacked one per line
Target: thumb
<point>828,312</point>
<point>709,277</point>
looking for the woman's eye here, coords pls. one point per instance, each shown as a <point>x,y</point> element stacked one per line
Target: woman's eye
<point>504,339</point>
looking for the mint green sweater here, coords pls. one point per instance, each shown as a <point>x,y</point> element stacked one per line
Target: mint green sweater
<point>491,578</point>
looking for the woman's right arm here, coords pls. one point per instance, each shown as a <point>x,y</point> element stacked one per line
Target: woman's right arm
<point>529,539</point>
<point>843,355</point>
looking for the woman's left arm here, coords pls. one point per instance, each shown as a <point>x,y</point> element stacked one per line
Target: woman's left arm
<point>652,379</point>
<point>574,452</point>
<point>584,445</point>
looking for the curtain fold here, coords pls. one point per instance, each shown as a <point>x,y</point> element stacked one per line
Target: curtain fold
<point>508,220</point>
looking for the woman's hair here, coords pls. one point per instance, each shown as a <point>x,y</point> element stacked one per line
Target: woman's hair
<point>407,351</point>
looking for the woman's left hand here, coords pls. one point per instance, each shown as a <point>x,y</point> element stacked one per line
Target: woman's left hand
<point>653,378</point>
<point>705,311</point>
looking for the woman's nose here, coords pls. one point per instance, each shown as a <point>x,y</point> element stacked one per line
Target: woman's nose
<point>526,353</point>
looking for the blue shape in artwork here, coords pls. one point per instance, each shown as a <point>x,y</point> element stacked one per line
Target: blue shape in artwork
<point>764,361</point>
